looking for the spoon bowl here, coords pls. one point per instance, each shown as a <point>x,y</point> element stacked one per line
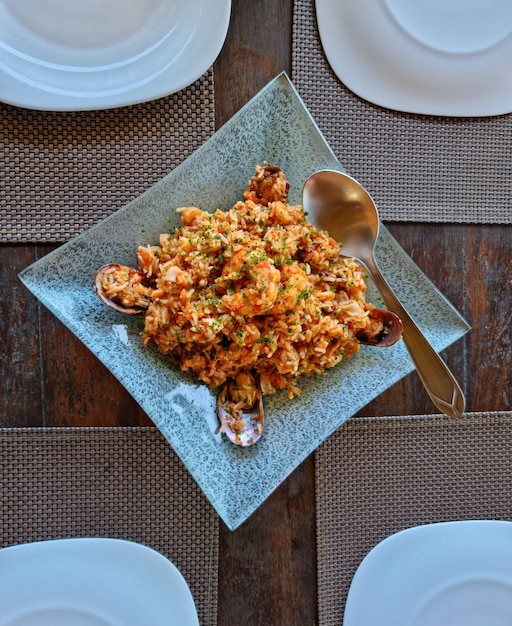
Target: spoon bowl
<point>338,204</point>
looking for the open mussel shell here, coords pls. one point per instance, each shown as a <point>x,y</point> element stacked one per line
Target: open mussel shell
<point>249,427</point>
<point>113,303</point>
<point>391,332</point>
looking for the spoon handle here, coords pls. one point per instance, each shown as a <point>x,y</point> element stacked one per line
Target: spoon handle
<point>437,379</point>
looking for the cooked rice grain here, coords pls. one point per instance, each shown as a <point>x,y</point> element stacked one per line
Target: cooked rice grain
<point>254,288</point>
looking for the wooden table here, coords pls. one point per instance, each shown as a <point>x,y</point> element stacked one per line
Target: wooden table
<point>267,566</point>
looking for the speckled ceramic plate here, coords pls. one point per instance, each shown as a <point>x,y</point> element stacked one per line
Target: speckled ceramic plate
<point>275,127</point>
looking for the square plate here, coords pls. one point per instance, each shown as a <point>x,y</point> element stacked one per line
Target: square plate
<point>456,573</point>
<point>275,127</point>
<point>444,60</point>
<point>91,582</point>
<point>69,55</point>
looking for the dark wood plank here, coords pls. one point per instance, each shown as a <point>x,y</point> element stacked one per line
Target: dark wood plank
<point>488,298</point>
<point>21,401</point>
<point>267,571</point>
<point>471,264</point>
<point>257,48</point>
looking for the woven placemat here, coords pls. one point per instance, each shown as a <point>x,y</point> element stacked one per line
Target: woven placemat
<point>417,168</point>
<point>64,171</point>
<point>377,476</point>
<point>124,483</point>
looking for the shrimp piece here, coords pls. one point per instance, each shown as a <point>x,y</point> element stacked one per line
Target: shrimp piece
<point>235,266</point>
<point>270,381</point>
<point>191,216</point>
<point>148,260</point>
<point>295,289</point>
<point>255,287</point>
<point>170,273</point>
<point>285,214</point>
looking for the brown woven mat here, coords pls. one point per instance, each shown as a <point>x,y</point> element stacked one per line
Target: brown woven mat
<point>376,476</point>
<point>418,168</point>
<point>124,483</point>
<point>62,172</point>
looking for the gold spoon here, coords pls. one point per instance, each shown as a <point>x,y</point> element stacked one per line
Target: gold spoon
<point>337,203</point>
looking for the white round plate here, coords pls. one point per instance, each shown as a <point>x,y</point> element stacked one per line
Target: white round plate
<point>432,57</point>
<point>91,582</point>
<point>75,55</point>
<point>448,574</point>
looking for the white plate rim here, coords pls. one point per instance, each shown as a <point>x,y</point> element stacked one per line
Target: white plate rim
<point>210,31</point>
<point>21,595</point>
<point>457,551</point>
<point>408,76</point>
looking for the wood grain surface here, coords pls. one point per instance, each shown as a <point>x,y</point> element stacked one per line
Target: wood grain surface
<point>267,566</point>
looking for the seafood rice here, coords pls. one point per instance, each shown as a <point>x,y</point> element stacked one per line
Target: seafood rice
<point>253,291</point>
